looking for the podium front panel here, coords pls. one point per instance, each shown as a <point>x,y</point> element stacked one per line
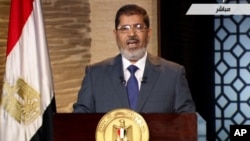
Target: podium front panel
<point>162,127</point>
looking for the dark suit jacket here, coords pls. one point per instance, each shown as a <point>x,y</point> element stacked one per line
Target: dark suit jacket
<point>164,90</point>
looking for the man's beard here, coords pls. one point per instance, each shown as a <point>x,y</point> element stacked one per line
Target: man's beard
<point>133,54</point>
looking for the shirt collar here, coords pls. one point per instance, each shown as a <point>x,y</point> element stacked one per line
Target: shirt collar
<point>140,63</point>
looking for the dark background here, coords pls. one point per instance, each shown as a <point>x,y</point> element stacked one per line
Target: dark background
<point>189,41</point>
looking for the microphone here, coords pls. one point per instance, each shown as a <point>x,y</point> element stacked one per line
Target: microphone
<point>122,80</point>
<point>144,80</point>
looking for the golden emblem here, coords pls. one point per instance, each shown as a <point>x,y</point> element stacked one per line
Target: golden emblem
<point>21,101</point>
<point>122,125</point>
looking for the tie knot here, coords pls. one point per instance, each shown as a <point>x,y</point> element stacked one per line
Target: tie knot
<point>132,69</point>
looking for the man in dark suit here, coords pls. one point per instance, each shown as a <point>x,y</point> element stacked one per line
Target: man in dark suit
<point>160,86</point>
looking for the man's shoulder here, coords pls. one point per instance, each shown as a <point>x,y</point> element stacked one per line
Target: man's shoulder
<point>159,61</point>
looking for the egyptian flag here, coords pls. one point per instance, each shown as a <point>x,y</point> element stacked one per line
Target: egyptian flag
<point>121,133</point>
<point>27,101</point>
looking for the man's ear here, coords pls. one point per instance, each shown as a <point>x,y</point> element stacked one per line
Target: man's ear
<point>149,33</point>
<point>114,33</point>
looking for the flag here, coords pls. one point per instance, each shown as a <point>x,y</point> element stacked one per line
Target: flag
<point>27,101</point>
<point>121,133</point>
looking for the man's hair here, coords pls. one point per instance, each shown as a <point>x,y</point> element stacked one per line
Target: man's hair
<point>131,9</point>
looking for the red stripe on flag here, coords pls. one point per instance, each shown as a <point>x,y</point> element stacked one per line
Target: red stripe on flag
<point>19,13</point>
<point>119,132</point>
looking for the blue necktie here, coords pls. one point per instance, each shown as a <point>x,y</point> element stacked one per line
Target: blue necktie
<point>132,87</point>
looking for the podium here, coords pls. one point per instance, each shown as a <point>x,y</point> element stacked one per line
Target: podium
<point>162,127</point>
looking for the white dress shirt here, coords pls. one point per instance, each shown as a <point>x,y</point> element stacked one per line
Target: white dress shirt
<point>139,73</point>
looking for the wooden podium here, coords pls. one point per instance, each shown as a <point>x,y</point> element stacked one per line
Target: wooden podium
<point>162,127</point>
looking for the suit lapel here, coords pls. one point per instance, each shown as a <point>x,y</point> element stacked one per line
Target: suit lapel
<point>115,72</point>
<point>151,74</point>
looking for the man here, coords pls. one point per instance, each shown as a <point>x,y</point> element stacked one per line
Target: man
<point>157,85</point>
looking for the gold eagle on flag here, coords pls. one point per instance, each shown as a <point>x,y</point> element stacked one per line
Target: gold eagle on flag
<point>122,132</point>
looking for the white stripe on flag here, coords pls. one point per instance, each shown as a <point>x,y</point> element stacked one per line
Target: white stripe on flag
<point>121,133</point>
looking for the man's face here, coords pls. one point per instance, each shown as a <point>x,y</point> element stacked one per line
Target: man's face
<point>132,37</point>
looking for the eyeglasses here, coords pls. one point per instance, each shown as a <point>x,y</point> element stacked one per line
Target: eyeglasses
<point>135,27</point>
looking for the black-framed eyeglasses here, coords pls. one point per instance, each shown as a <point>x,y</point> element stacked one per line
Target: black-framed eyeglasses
<point>135,27</point>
